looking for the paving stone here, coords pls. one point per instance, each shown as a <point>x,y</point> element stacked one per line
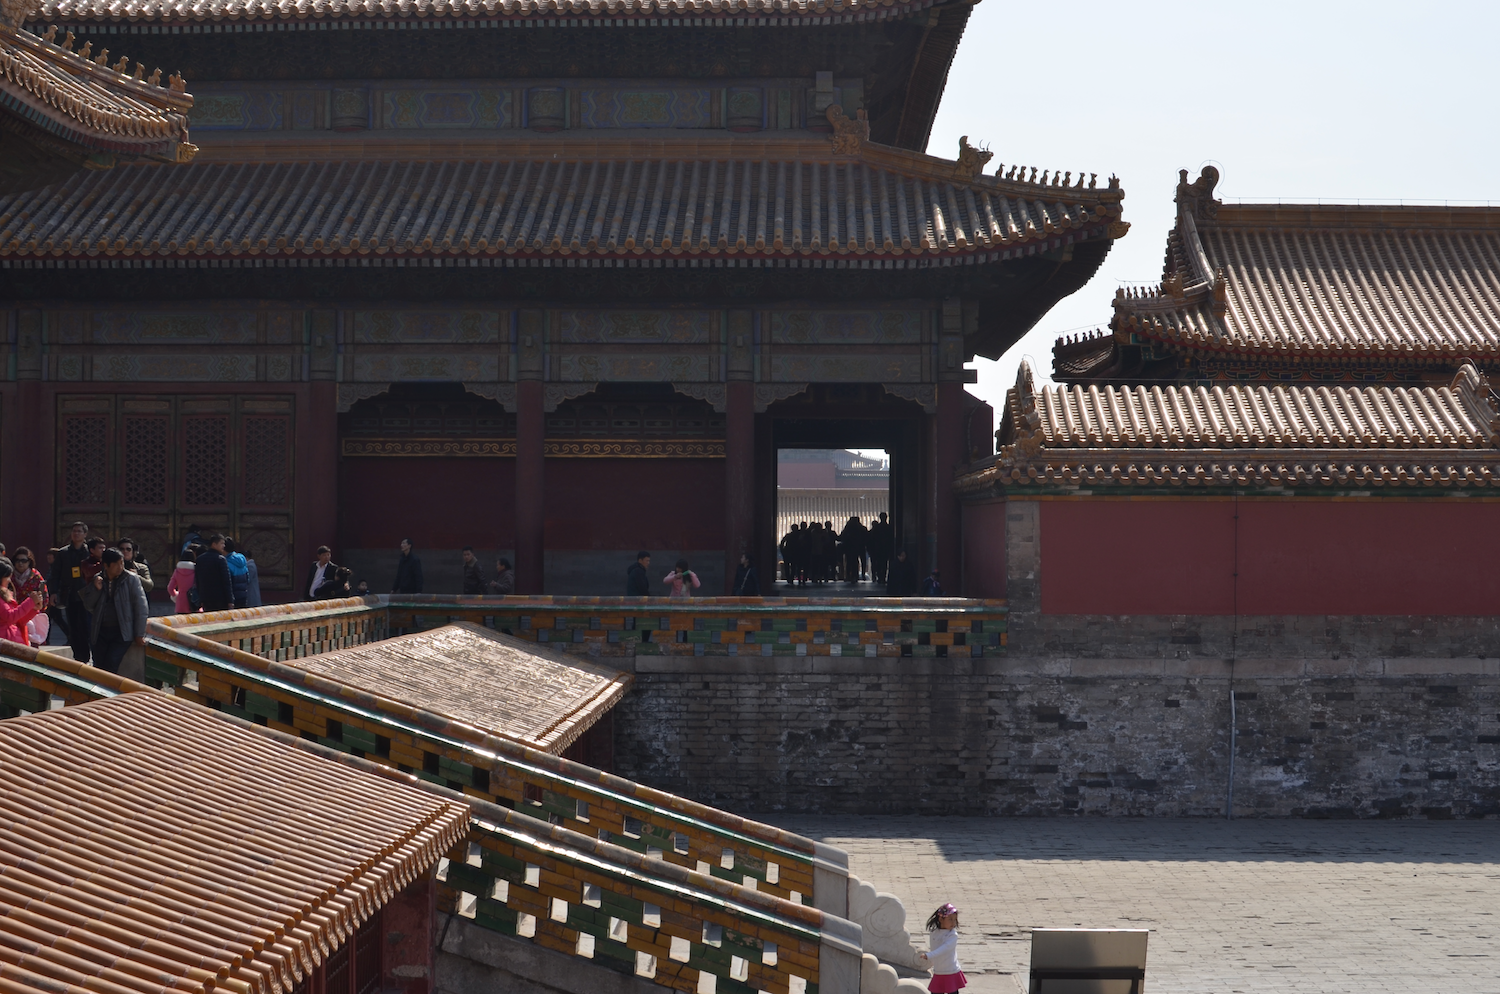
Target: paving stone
<point>1243,906</point>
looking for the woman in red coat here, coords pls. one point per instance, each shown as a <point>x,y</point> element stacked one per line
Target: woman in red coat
<point>15,613</point>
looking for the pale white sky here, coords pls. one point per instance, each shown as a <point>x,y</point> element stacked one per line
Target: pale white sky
<point>1343,101</point>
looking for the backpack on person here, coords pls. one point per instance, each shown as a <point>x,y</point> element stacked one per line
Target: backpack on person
<point>239,578</point>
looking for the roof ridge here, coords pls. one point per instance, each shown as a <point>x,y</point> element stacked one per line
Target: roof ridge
<point>1474,388</point>
<point>172,96</point>
<point>1196,200</point>
<point>799,147</point>
<point>745,11</point>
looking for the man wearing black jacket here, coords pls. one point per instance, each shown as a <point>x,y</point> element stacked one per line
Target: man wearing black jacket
<point>321,572</point>
<point>408,571</point>
<point>215,587</point>
<point>903,577</point>
<point>66,583</point>
<point>746,582</point>
<point>637,581</point>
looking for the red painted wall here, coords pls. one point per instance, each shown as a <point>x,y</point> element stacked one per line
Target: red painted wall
<point>635,504</point>
<point>407,924</point>
<point>605,504</point>
<point>984,549</point>
<point>1171,556</point>
<point>440,503</point>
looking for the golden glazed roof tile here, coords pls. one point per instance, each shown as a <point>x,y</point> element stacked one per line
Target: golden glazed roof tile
<point>148,844</point>
<point>666,199</point>
<point>1332,284</point>
<point>656,12</point>
<point>89,104</point>
<point>1276,435</point>
<point>493,682</point>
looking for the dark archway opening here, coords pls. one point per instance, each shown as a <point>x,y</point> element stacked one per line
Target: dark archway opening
<point>844,417</point>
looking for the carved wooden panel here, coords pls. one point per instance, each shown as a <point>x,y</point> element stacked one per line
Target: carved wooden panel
<point>205,462</point>
<point>146,460</point>
<point>85,472</point>
<point>154,468</point>
<point>267,460</point>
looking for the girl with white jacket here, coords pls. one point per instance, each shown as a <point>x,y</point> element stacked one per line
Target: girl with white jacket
<point>942,951</point>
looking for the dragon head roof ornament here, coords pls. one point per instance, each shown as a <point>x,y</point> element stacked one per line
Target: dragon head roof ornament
<point>1026,420</point>
<point>1198,196</point>
<point>971,160</point>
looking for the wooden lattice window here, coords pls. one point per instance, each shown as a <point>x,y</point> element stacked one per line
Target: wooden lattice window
<point>146,459</point>
<point>85,467</point>
<point>266,440</point>
<point>205,461</point>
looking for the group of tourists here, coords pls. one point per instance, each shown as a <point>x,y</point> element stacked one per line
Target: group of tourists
<point>213,575</point>
<point>326,579</point>
<point>815,553</point>
<point>93,593</point>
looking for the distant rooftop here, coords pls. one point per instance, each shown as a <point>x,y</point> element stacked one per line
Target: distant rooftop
<point>1305,291</point>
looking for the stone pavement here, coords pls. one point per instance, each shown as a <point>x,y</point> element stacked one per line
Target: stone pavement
<point>1250,906</point>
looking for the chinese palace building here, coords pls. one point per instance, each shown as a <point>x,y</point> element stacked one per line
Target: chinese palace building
<point>1299,421</point>
<point>550,279</point>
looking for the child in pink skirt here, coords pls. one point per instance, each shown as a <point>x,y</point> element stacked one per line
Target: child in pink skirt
<point>942,951</point>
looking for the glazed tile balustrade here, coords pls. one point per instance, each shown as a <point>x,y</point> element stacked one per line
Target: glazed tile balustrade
<point>32,681</point>
<point>629,626</point>
<point>633,914</point>
<point>212,669</point>
<point>288,631</point>
<point>726,626</point>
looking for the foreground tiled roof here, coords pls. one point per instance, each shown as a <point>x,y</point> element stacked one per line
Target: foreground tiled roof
<point>1261,435</point>
<point>665,13</point>
<point>1308,287</point>
<point>88,105</point>
<point>497,684</point>
<point>148,844</point>
<point>805,203</point>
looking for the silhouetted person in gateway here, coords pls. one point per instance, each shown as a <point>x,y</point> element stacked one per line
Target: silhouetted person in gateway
<point>903,577</point>
<point>788,556</point>
<point>880,541</point>
<point>852,547</point>
<point>817,553</point>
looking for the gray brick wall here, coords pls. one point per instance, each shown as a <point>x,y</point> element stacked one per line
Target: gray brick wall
<point>1332,736</point>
